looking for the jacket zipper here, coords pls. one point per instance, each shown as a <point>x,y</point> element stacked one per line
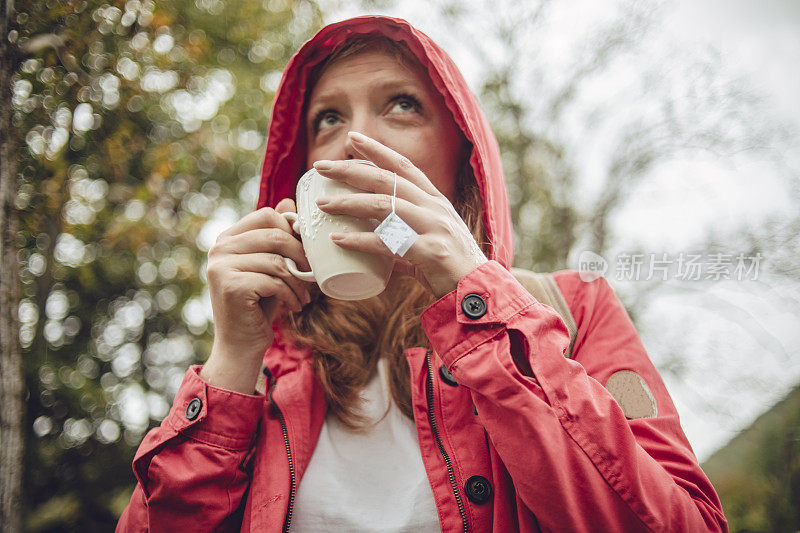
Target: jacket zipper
<point>435,428</point>
<point>288,519</point>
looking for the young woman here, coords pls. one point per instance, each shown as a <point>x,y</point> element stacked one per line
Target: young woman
<point>445,403</point>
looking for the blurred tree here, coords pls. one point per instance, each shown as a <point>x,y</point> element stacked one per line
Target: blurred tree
<point>533,112</point>
<point>12,382</point>
<point>143,123</point>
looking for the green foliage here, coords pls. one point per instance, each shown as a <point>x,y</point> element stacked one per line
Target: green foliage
<point>139,120</point>
<point>757,475</point>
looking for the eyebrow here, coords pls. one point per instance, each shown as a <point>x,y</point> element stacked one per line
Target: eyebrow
<point>322,100</point>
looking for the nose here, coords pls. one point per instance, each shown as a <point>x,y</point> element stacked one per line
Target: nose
<point>349,151</point>
<point>366,125</point>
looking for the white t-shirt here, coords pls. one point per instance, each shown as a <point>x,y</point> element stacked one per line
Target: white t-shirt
<point>367,482</point>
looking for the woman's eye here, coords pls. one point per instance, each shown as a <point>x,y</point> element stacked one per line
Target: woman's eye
<point>325,119</point>
<point>405,104</point>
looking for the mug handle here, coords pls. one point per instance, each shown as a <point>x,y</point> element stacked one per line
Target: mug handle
<point>291,218</point>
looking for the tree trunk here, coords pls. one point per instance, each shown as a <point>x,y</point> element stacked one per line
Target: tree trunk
<point>12,381</point>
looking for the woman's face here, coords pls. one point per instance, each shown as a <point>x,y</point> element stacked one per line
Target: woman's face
<point>373,93</point>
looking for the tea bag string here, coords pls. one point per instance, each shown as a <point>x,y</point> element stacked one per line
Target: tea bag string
<point>393,231</point>
<point>394,192</point>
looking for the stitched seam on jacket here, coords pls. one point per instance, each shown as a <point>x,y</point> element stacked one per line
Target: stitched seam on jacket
<point>228,493</point>
<point>470,518</point>
<point>150,456</point>
<point>604,466</point>
<point>602,459</point>
<point>525,299</point>
<point>470,342</point>
<point>565,420</point>
<point>532,380</point>
<point>195,432</point>
<point>199,435</point>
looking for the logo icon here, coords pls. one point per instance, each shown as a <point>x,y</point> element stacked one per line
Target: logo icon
<point>591,266</point>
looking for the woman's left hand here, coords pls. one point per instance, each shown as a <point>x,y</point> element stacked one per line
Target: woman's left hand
<point>445,250</point>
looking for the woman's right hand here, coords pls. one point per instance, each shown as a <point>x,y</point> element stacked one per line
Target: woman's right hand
<point>248,282</point>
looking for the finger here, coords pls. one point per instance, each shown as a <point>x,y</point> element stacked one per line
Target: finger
<point>286,206</point>
<point>370,242</point>
<point>273,265</point>
<point>272,240</point>
<point>385,157</point>
<point>378,206</point>
<point>266,217</point>
<point>362,241</point>
<point>371,179</point>
<point>268,286</point>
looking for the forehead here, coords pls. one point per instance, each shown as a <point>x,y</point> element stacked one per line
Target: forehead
<point>370,69</point>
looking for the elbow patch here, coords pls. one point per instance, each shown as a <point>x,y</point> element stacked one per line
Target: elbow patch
<point>632,394</point>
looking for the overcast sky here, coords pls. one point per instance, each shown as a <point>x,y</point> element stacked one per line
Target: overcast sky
<point>745,338</point>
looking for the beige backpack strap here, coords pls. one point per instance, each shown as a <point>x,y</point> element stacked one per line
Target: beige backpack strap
<point>544,288</point>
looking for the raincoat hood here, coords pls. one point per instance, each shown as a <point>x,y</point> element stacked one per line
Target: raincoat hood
<point>285,159</point>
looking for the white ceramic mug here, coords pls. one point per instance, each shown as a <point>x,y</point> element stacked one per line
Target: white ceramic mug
<point>340,273</point>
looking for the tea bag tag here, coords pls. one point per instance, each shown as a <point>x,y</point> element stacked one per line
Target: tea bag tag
<point>394,232</point>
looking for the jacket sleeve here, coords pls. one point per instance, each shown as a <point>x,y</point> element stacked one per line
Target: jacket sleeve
<point>576,461</point>
<point>191,470</point>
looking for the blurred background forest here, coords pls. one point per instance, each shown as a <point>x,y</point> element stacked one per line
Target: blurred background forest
<point>139,128</point>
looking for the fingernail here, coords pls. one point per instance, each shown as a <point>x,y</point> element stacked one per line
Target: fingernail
<point>337,236</point>
<point>323,164</point>
<point>307,298</point>
<point>322,200</point>
<point>358,137</point>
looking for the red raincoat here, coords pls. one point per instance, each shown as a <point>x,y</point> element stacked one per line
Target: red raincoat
<point>541,430</point>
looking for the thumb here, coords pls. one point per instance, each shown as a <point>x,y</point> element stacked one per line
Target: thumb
<point>286,205</point>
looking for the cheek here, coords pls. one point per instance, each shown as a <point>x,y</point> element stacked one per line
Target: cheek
<point>439,161</point>
<point>326,150</point>
<point>430,156</point>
